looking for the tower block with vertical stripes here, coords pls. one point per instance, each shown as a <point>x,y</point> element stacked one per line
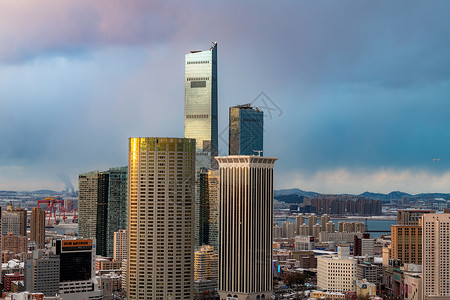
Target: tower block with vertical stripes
<point>246,220</point>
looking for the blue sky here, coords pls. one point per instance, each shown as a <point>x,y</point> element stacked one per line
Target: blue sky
<point>361,88</point>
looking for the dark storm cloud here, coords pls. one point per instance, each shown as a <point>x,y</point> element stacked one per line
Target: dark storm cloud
<point>362,85</point>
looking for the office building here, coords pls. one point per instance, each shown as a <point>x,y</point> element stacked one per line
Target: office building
<point>120,245</point>
<point>102,202</point>
<point>246,129</point>
<point>160,262</point>
<point>206,268</point>
<point>246,220</point>
<point>11,223</point>
<point>117,205</point>
<point>436,258</point>
<point>304,243</point>
<point>37,227</point>
<point>200,105</point>
<point>42,273</point>
<point>209,208</point>
<point>200,116</point>
<point>336,273</point>
<point>77,269</point>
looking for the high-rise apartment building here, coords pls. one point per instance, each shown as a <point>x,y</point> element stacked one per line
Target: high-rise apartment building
<point>312,220</point>
<point>436,257</point>
<point>299,221</point>
<point>411,216</point>
<point>14,243</point>
<point>206,268</point>
<point>37,227</point>
<point>209,208</point>
<point>120,245</point>
<point>288,230</point>
<point>23,217</point>
<point>160,262</point>
<point>117,205</point>
<point>324,219</point>
<point>200,105</point>
<point>42,273</point>
<point>11,223</point>
<point>102,202</point>
<point>406,243</point>
<point>246,220</point>
<point>246,130</point>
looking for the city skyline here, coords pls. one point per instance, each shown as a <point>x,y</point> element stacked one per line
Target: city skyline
<point>360,88</point>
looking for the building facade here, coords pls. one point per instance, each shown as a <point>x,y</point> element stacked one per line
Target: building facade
<point>246,130</point>
<point>436,257</point>
<point>120,245</point>
<point>406,243</point>
<point>37,227</point>
<point>42,273</point>
<point>246,220</point>
<point>160,263</point>
<point>336,273</point>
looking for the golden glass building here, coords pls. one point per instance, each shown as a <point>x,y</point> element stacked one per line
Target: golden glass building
<point>246,220</point>
<point>160,218</point>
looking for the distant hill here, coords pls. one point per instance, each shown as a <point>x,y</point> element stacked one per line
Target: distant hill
<point>297,192</point>
<point>297,195</point>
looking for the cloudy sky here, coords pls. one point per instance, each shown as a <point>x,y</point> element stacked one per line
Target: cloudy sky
<point>357,91</point>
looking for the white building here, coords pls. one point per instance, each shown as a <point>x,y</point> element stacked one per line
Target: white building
<point>120,245</point>
<point>246,220</point>
<point>336,273</point>
<point>436,255</point>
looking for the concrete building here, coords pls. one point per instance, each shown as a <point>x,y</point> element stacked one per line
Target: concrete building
<point>336,273</point>
<point>411,216</point>
<point>209,208</point>
<point>368,247</point>
<point>312,220</point>
<point>303,243</point>
<point>304,230</point>
<point>324,219</point>
<point>11,223</point>
<point>288,230</point>
<point>406,243</point>
<point>331,227</point>
<point>206,269</point>
<point>23,218</point>
<point>299,221</point>
<point>77,269</point>
<point>367,271</point>
<point>120,245</point>
<point>37,227</point>
<point>107,264</point>
<point>436,258</point>
<point>246,130</point>
<point>160,262</point>
<point>42,273</point>
<point>277,231</point>
<point>365,289</point>
<point>14,243</point>
<point>246,187</point>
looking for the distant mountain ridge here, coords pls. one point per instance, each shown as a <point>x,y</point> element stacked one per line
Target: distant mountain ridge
<point>394,195</point>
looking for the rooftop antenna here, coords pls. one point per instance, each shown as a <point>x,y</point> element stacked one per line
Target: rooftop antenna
<point>258,151</point>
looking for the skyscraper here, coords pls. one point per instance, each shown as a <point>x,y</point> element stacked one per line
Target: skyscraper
<point>37,227</point>
<point>200,105</point>
<point>160,222</point>
<point>436,258</point>
<point>246,220</point>
<point>209,208</point>
<point>246,128</point>
<point>42,273</point>
<point>102,206</point>
<point>200,117</point>
<point>117,205</point>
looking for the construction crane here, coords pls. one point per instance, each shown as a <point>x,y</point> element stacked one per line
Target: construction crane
<point>52,205</point>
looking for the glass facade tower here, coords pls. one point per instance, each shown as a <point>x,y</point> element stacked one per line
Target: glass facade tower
<point>246,129</point>
<point>200,105</point>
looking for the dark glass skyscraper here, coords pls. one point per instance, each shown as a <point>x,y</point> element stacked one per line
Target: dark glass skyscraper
<point>246,129</point>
